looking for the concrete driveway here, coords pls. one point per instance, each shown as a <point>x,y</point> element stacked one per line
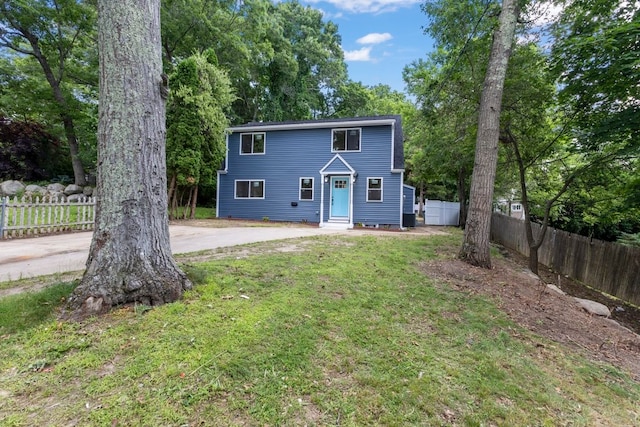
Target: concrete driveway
<point>24,258</point>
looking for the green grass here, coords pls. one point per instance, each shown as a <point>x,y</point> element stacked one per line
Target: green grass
<point>347,332</point>
<point>205,213</point>
<point>27,310</point>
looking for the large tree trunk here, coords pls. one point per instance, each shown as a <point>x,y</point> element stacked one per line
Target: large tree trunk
<point>475,246</point>
<point>130,257</point>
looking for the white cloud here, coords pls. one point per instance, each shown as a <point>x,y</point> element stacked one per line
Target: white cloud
<point>358,55</point>
<point>369,6</point>
<point>541,14</point>
<point>374,38</point>
<point>329,15</point>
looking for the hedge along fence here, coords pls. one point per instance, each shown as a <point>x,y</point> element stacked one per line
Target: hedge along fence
<point>609,267</point>
<point>32,216</point>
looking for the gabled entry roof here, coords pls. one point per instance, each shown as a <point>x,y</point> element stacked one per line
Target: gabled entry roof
<point>337,165</point>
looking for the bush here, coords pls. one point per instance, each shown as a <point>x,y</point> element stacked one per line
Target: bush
<point>29,153</point>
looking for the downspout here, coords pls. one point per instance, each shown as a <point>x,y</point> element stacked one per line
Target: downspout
<point>322,184</point>
<point>401,199</point>
<point>218,195</point>
<point>219,173</point>
<point>352,182</point>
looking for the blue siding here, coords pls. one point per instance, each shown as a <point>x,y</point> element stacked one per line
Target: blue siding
<point>337,166</point>
<point>292,154</point>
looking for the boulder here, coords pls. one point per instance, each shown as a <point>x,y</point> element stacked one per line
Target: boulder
<point>55,188</point>
<point>11,188</point>
<point>57,196</point>
<point>593,307</point>
<point>87,191</point>
<point>75,197</point>
<point>72,189</point>
<point>556,289</point>
<point>35,190</point>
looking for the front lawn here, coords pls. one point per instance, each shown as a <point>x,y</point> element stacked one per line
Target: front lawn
<point>333,330</point>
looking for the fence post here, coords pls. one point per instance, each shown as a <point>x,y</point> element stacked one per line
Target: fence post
<point>2,209</point>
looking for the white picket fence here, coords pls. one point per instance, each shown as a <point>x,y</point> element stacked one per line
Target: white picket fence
<point>32,216</point>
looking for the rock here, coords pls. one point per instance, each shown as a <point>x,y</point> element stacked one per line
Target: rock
<point>11,188</point>
<point>58,196</point>
<point>55,188</point>
<point>75,197</point>
<point>556,289</point>
<point>36,190</point>
<point>593,307</point>
<point>87,191</point>
<point>72,189</point>
<point>531,274</point>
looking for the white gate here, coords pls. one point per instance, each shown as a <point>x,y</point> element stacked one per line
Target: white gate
<point>437,212</point>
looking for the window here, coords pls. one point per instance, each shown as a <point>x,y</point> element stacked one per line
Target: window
<point>250,189</point>
<point>306,188</point>
<point>516,207</point>
<point>374,189</point>
<point>252,143</point>
<point>345,140</point>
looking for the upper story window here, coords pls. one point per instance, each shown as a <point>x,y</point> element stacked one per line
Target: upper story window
<point>252,143</point>
<point>306,188</point>
<point>374,189</point>
<point>516,207</point>
<point>345,140</point>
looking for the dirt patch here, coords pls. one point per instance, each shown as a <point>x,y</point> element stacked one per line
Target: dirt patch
<point>530,303</point>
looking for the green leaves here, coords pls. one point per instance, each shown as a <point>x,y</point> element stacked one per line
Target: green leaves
<point>201,95</point>
<point>596,57</point>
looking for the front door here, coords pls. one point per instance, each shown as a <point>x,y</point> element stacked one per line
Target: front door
<point>339,197</point>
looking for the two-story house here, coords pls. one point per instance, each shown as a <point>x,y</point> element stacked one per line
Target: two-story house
<point>333,172</point>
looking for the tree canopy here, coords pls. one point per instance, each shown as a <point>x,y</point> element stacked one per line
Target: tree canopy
<point>571,95</point>
<point>200,98</point>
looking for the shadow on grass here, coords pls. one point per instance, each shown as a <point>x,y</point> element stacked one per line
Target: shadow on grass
<point>24,311</point>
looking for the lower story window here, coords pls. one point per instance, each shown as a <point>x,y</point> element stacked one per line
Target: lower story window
<point>374,189</point>
<point>250,189</point>
<point>306,188</point>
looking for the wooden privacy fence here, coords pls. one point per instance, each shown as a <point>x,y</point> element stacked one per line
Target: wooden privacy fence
<point>609,267</point>
<point>31,216</point>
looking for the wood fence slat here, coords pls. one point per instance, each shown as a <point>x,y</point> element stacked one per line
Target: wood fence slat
<point>609,267</point>
<point>29,216</point>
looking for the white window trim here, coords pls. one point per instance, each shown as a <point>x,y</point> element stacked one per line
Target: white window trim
<point>313,192</point>
<point>235,189</point>
<point>345,142</point>
<point>381,189</point>
<point>516,207</point>
<point>264,142</point>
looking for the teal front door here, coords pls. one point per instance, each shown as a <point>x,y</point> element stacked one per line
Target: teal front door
<point>340,197</point>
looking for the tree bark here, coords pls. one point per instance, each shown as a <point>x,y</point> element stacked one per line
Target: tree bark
<point>524,200</point>
<point>533,243</point>
<point>475,246</point>
<point>194,202</point>
<point>462,196</point>
<point>130,258</point>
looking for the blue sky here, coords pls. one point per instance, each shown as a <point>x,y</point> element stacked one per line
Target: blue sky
<point>379,37</point>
